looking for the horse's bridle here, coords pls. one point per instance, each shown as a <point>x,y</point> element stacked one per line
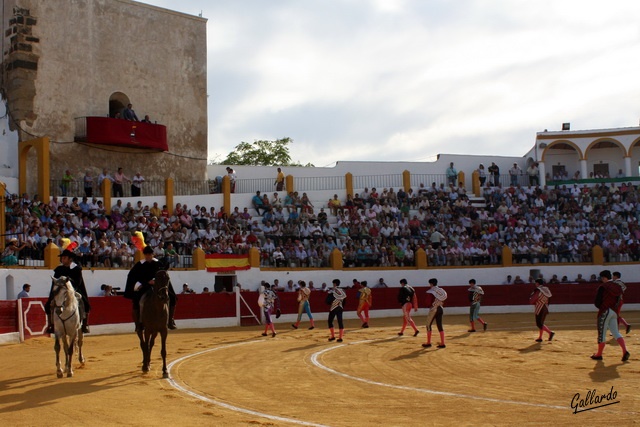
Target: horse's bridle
<point>161,288</point>
<point>57,289</point>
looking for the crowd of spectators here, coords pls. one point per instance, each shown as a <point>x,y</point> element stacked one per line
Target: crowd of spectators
<point>538,224</point>
<point>69,185</point>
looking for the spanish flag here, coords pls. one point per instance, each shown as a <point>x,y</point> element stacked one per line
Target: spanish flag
<point>68,244</point>
<point>138,240</point>
<point>226,262</point>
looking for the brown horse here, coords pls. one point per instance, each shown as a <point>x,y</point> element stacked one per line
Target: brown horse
<point>154,314</point>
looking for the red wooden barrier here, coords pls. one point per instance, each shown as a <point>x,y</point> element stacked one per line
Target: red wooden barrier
<point>114,310</point>
<point>8,316</point>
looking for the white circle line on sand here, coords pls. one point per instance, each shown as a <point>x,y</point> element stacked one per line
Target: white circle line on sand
<point>192,393</point>
<point>315,356</point>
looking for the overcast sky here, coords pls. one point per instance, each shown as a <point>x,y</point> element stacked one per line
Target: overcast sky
<point>405,80</point>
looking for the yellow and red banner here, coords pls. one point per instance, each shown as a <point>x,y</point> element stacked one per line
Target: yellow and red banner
<point>226,262</point>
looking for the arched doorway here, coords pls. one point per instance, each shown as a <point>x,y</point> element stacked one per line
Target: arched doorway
<point>41,147</point>
<point>634,158</point>
<point>117,102</point>
<point>562,160</point>
<point>606,157</point>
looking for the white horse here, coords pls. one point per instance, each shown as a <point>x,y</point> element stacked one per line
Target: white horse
<point>66,322</point>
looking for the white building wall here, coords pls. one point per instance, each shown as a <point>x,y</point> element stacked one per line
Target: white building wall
<point>462,163</point>
<point>8,152</point>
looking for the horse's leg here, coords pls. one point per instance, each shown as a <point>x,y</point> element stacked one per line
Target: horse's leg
<point>146,352</point>
<point>143,345</point>
<point>152,341</point>
<point>80,341</point>
<point>56,347</point>
<point>70,347</point>
<point>163,335</point>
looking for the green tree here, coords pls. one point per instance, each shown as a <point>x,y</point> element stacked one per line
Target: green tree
<point>262,153</point>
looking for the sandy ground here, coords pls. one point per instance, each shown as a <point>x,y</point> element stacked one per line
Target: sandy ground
<point>234,376</point>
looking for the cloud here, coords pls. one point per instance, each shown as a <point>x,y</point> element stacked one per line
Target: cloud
<point>405,80</point>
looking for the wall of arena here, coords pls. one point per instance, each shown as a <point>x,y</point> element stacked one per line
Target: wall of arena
<point>23,319</point>
<point>11,280</point>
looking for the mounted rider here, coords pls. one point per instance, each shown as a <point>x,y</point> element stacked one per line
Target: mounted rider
<point>141,278</point>
<point>73,271</point>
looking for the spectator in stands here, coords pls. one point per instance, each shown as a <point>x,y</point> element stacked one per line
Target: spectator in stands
<point>514,173</point>
<point>67,178</point>
<point>186,289</point>
<point>232,178</point>
<point>335,205</point>
<point>494,171</point>
<point>279,180</point>
<point>106,290</point>
<point>533,172</point>
<point>482,175</point>
<point>129,114</point>
<point>146,119</point>
<point>306,205</point>
<point>257,202</point>
<point>452,174</point>
<point>136,184</point>
<point>118,180</point>
<point>518,281</point>
<point>266,204</point>
<point>380,284</point>
<point>10,253</point>
<point>580,279</point>
<point>278,257</point>
<point>88,184</point>
<point>26,288</point>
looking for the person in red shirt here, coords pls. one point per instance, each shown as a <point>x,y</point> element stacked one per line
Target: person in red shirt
<point>607,300</point>
<point>408,300</point>
<point>540,299</point>
<point>252,239</point>
<point>364,303</point>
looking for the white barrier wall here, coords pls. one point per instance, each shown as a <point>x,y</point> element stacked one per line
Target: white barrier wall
<point>11,280</point>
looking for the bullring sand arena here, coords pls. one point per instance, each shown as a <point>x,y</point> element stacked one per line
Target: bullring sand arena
<point>235,377</point>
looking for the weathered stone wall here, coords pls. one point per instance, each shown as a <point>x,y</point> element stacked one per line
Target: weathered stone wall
<point>64,59</point>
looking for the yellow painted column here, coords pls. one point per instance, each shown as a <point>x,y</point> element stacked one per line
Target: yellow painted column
<point>597,254</point>
<point>106,194</point>
<point>3,208</point>
<point>41,145</point>
<point>507,256</point>
<point>406,180</point>
<point>289,183</point>
<point>51,256</point>
<point>475,183</point>
<point>44,168</point>
<point>198,260</point>
<point>421,259</point>
<point>168,194</point>
<point>335,259</point>
<point>226,193</point>
<point>254,257</point>
<point>461,179</point>
<point>348,182</point>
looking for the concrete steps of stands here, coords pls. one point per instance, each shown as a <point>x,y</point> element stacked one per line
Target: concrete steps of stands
<point>477,202</point>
